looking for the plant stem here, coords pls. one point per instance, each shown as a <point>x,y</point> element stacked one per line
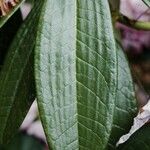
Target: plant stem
<point>140,25</point>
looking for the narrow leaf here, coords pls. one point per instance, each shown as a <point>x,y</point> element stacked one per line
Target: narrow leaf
<point>7,33</point>
<point>75,68</point>
<point>16,78</point>
<point>3,19</point>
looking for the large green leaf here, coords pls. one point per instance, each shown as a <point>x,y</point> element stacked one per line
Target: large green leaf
<point>147,2</point>
<point>16,78</point>
<point>125,106</point>
<point>4,19</point>
<point>75,67</point>
<point>139,140</point>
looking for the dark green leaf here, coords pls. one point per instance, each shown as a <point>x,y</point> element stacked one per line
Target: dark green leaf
<point>4,19</point>
<point>7,33</point>
<point>115,5</point>
<point>24,142</point>
<point>139,140</point>
<point>16,78</point>
<point>76,73</point>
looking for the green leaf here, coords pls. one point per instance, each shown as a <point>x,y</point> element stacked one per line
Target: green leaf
<point>125,108</point>
<point>115,9</point>
<point>139,140</point>
<point>25,142</point>
<point>115,5</point>
<point>76,73</point>
<point>147,2</point>
<point>16,78</point>
<point>7,33</point>
<point>4,19</point>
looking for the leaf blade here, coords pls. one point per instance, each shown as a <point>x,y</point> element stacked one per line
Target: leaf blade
<point>147,2</point>
<point>10,29</point>
<point>65,100</point>
<point>4,19</point>
<point>125,109</point>
<point>17,80</point>
<point>139,139</point>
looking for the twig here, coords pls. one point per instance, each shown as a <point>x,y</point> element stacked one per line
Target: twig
<point>140,25</point>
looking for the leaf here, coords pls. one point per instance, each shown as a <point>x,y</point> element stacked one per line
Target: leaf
<point>7,33</point>
<point>147,2</point>
<point>75,68</point>
<point>16,78</point>
<point>115,5</point>
<point>139,140</point>
<point>25,142</point>
<point>125,108</point>
<point>4,19</point>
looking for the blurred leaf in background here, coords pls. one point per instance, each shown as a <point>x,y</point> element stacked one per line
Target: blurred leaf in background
<point>7,33</point>
<point>24,142</point>
<point>5,18</point>
<point>139,140</point>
